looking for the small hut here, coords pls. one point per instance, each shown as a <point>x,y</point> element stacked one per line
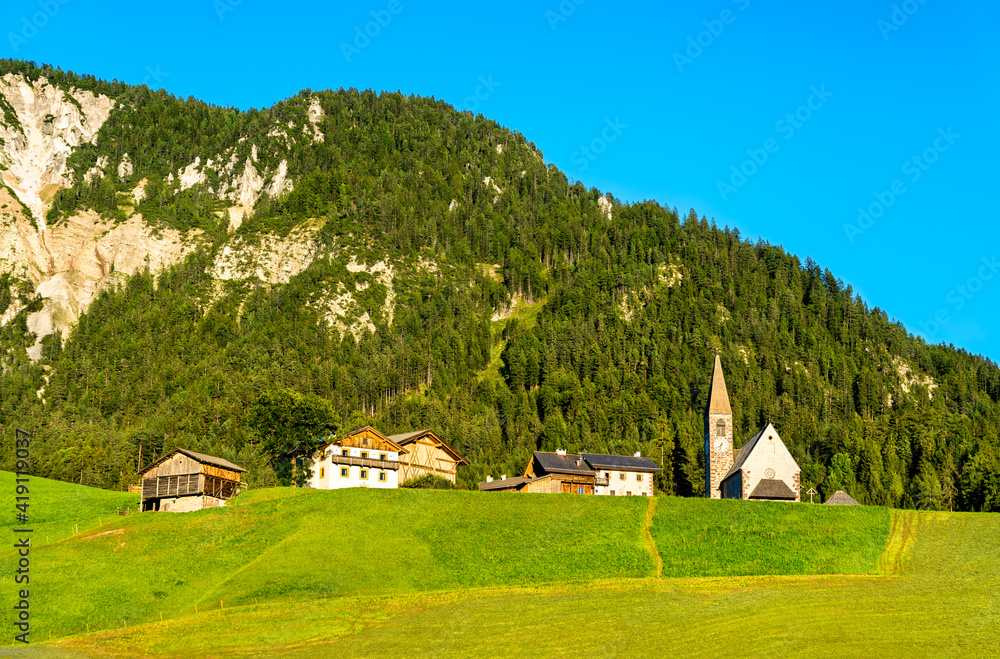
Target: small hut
<point>182,481</point>
<point>841,498</point>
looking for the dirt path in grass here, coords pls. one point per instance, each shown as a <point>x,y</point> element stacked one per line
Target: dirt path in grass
<point>904,523</point>
<point>650,511</point>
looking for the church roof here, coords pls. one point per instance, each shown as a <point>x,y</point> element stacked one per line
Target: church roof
<point>718,396</point>
<point>744,453</point>
<point>841,498</point>
<point>770,488</point>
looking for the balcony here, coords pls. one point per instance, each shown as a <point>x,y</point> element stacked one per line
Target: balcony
<point>601,482</point>
<point>363,462</point>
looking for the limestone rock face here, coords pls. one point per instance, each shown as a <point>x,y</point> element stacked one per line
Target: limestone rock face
<point>69,263</point>
<point>51,126</point>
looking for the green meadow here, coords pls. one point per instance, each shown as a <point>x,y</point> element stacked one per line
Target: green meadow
<point>287,572</point>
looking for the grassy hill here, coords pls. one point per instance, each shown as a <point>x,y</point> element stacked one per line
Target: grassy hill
<point>936,597</point>
<point>286,546</point>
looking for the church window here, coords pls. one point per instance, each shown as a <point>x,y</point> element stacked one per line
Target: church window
<point>720,428</point>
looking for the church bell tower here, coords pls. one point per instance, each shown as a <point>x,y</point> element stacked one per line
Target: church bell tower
<point>718,433</point>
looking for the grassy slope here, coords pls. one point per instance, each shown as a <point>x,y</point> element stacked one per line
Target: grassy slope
<point>54,507</point>
<point>945,602</point>
<point>283,545</point>
<point>709,538</point>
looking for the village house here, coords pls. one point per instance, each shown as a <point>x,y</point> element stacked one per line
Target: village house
<point>585,473</point>
<point>426,453</point>
<point>763,469</point>
<point>183,481</point>
<point>367,458</point>
<point>361,458</point>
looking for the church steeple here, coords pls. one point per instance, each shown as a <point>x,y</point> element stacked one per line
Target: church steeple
<point>718,396</point>
<point>718,433</point>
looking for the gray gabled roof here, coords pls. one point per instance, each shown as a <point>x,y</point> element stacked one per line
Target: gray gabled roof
<point>504,484</point>
<point>200,457</point>
<point>770,488</point>
<point>553,463</point>
<point>407,437</point>
<point>744,454</point>
<point>841,498</point>
<point>620,462</point>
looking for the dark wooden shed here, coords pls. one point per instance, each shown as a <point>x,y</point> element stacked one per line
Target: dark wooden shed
<point>182,481</point>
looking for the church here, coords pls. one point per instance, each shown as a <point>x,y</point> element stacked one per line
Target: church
<point>762,470</point>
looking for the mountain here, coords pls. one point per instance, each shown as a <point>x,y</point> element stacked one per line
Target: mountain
<point>164,262</point>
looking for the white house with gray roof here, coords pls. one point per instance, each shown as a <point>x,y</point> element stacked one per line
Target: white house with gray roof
<point>583,473</point>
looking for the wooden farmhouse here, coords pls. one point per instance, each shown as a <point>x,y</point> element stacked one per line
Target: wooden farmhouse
<point>763,469</point>
<point>586,473</point>
<point>182,481</point>
<point>426,453</point>
<point>361,458</point>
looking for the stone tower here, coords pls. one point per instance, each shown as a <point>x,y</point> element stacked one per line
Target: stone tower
<point>718,433</point>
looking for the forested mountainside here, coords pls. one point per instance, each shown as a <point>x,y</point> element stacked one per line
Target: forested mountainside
<point>388,260</point>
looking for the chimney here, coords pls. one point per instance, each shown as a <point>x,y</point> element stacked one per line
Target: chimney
<point>489,479</point>
<point>560,451</point>
<point>638,454</point>
<point>504,477</point>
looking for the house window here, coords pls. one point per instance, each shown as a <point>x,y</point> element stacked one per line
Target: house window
<point>644,494</point>
<point>612,493</point>
<point>364,474</point>
<point>628,494</point>
<point>383,457</point>
<point>364,441</point>
<point>364,454</point>
<point>345,472</point>
<point>638,477</point>
<point>322,472</point>
<point>621,477</point>
<point>579,489</point>
<point>381,476</point>
<point>345,452</point>
<point>607,475</point>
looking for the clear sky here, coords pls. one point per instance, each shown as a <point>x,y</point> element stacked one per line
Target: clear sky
<point>779,118</point>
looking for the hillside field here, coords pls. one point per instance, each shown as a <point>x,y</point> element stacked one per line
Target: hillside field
<point>286,572</point>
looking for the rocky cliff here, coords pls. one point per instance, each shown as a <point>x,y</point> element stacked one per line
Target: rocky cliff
<point>66,263</point>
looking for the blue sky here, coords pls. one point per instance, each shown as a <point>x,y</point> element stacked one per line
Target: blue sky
<point>885,106</point>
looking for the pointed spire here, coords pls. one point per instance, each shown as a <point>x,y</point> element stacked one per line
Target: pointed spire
<point>718,396</point>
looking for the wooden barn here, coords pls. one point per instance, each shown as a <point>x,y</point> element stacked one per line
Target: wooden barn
<point>182,481</point>
<point>426,453</point>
